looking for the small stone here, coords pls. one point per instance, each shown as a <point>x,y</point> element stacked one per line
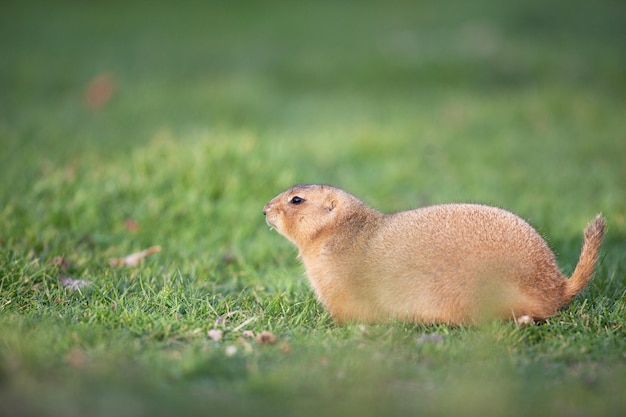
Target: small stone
<point>524,321</point>
<point>433,338</point>
<point>231,350</point>
<point>73,284</point>
<point>215,334</point>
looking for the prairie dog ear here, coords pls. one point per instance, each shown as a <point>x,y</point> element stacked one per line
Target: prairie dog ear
<point>330,204</point>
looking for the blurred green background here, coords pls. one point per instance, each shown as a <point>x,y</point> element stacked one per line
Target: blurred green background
<point>445,82</point>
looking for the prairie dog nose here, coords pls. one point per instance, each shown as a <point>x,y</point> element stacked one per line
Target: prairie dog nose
<point>267,208</point>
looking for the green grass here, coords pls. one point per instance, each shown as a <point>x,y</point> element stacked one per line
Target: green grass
<point>218,107</point>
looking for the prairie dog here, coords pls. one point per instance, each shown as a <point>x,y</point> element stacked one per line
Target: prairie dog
<point>458,264</point>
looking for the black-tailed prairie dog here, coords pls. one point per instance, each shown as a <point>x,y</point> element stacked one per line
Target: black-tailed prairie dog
<point>451,263</point>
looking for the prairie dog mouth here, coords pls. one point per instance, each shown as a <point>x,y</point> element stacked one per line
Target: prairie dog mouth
<point>266,213</point>
<point>270,224</point>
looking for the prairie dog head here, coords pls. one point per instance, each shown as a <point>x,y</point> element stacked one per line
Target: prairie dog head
<point>304,212</point>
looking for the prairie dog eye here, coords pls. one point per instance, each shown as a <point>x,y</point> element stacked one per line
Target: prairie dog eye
<point>296,200</point>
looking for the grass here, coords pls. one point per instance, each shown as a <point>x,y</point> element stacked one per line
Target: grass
<point>208,111</point>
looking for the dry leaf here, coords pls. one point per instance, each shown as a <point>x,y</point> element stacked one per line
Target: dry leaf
<point>266,338</point>
<point>76,358</point>
<point>221,320</point>
<point>73,284</point>
<point>215,334</point>
<point>228,258</point>
<point>132,225</point>
<point>134,258</point>
<point>61,263</point>
<point>244,323</point>
<point>100,91</point>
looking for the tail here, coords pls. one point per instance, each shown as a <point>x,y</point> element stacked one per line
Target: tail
<point>588,259</point>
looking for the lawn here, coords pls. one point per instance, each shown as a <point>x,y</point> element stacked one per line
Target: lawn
<point>130,125</point>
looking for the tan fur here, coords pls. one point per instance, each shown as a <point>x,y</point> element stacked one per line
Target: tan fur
<point>451,263</point>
